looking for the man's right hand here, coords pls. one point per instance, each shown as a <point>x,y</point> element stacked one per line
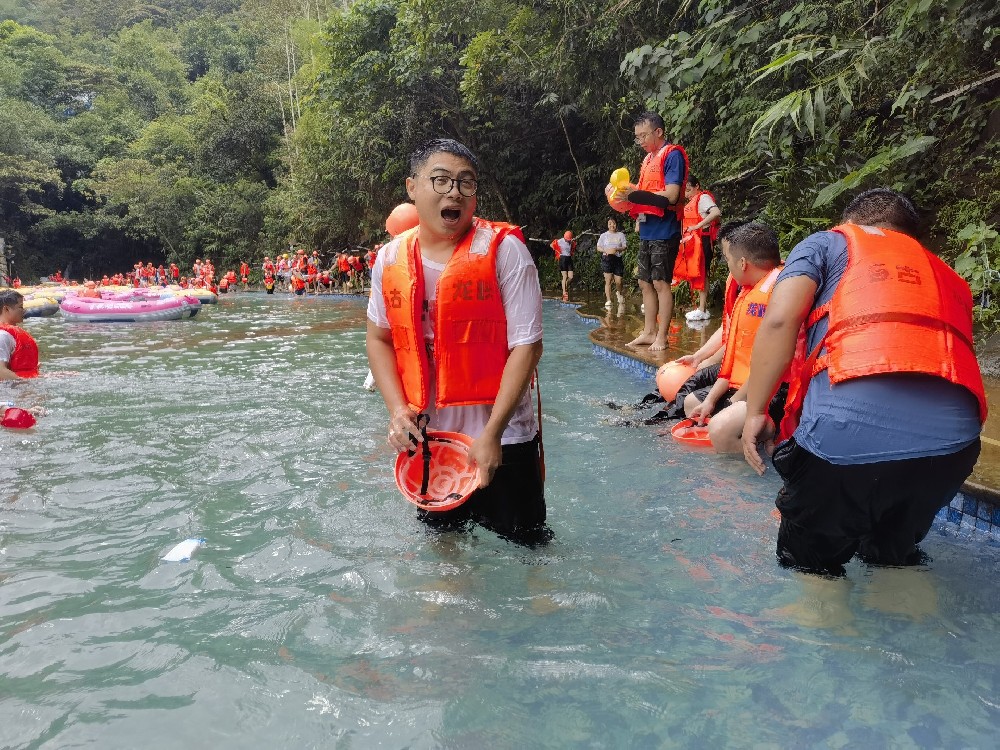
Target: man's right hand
<point>403,425</point>
<point>688,359</point>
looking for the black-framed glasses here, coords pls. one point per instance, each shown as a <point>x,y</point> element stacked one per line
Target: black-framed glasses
<point>443,184</point>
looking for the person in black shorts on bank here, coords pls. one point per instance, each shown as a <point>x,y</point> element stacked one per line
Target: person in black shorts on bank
<point>611,245</point>
<point>564,248</point>
<point>664,171</point>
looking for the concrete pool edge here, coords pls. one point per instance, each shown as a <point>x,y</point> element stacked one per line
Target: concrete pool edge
<point>974,510</point>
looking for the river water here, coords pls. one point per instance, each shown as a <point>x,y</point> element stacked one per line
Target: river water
<point>321,613</point>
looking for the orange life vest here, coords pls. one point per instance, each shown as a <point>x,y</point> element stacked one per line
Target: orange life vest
<point>298,283</point>
<point>470,327</point>
<point>24,358</point>
<point>558,250</point>
<point>897,308</point>
<point>692,217</point>
<point>748,312</point>
<point>651,179</point>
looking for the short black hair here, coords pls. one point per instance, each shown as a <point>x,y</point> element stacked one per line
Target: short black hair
<point>693,181</point>
<point>440,145</point>
<point>652,118</point>
<point>10,297</point>
<point>884,206</point>
<point>753,240</point>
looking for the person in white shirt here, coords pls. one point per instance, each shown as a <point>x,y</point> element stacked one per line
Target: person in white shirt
<point>447,385</point>
<point>611,245</point>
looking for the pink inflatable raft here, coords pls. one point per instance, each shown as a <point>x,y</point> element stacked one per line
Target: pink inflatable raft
<point>128,309</point>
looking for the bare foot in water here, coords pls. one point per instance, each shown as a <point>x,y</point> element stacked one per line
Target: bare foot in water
<point>643,339</point>
<point>658,345</point>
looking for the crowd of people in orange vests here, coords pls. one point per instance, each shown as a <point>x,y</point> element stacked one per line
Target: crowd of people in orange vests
<point>296,271</point>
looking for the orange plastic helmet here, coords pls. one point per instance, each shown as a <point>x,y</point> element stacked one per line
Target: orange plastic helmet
<point>567,235</point>
<point>689,433</point>
<point>402,217</point>
<point>671,377</point>
<point>447,481</point>
<point>17,419</point>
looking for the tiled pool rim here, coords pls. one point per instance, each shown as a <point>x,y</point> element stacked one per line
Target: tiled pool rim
<point>975,510</point>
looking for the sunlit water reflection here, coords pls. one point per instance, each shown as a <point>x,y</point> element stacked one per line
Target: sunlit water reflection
<point>321,612</point>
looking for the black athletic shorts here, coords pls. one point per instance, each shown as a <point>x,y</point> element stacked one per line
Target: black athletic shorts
<point>709,252</point>
<point>613,264</point>
<point>565,263</point>
<point>880,511</point>
<point>657,258</point>
<point>775,409</point>
<point>512,505</point>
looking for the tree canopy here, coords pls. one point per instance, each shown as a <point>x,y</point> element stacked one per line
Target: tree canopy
<point>232,128</point>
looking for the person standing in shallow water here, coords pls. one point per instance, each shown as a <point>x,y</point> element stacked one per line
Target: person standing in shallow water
<point>892,405</point>
<point>423,359</point>
<point>18,350</point>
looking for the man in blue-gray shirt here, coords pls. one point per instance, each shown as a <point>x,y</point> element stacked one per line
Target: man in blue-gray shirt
<point>880,450</point>
<point>664,171</point>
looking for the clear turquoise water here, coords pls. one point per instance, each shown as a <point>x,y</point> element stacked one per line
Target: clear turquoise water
<point>322,614</point>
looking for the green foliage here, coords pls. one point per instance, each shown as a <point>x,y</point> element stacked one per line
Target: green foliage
<point>186,128</point>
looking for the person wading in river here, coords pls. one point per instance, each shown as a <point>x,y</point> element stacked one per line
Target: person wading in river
<point>466,357</point>
<point>891,397</point>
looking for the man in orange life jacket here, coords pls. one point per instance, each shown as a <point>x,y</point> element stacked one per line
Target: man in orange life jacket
<point>455,331</point>
<point>664,171</point>
<point>751,251</point>
<point>18,350</point>
<point>891,419</point>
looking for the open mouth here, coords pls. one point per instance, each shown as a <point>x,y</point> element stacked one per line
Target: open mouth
<point>451,215</point>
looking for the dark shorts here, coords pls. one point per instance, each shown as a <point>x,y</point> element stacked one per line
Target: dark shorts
<point>880,511</point>
<point>709,252</point>
<point>565,263</point>
<point>613,264</point>
<point>513,505</point>
<point>775,409</point>
<point>300,291</point>
<point>656,259</point>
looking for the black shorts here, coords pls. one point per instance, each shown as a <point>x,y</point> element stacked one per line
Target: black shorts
<point>512,505</point>
<point>565,263</point>
<point>709,252</point>
<point>657,258</point>
<point>613,264</point>
<point>775,409</point>
<point>880,511</point>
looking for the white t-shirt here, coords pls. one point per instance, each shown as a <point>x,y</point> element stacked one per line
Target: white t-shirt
<point>565,248</point>
<point>612,242</point>
<point>705,204</point>
<point>7,345</point>
<point>522,304</point>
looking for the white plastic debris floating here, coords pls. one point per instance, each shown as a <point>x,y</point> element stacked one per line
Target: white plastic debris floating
<point>183,551</point>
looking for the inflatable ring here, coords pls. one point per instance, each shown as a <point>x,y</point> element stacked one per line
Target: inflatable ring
<point>448,480</point>
<point>689,433</point>
<point>670,377</point>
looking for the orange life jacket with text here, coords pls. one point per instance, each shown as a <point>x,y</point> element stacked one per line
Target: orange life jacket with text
<point>748,312</point>
<point>898,308</point>
<point>24,358</point>
<point>692,217</point>
<point>470,327</point>
<point>651,179</point>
